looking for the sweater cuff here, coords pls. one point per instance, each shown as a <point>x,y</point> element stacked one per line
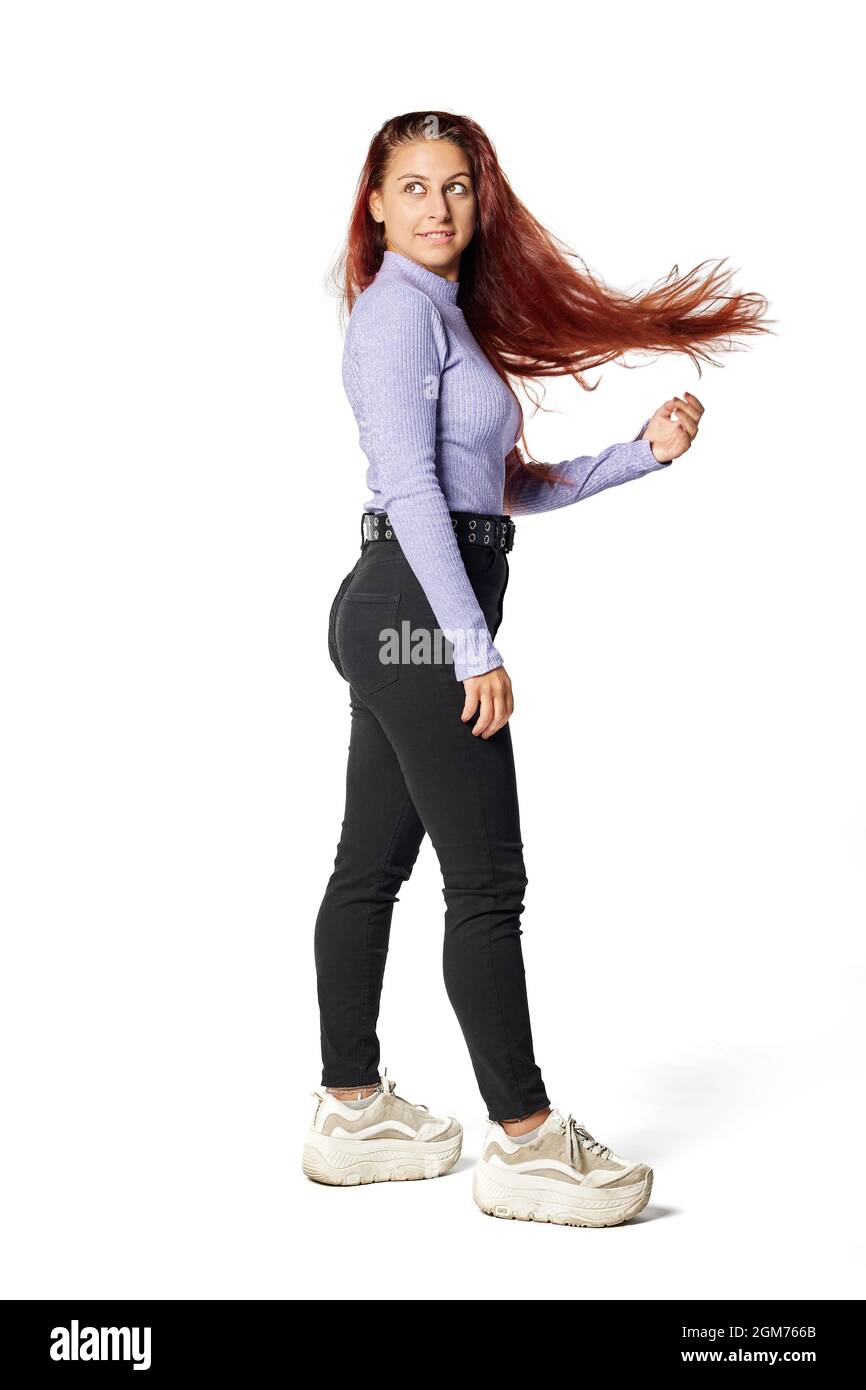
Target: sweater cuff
<point>474,652</point>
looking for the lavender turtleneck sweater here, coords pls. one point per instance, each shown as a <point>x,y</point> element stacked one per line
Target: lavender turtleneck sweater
<point>436,423</point>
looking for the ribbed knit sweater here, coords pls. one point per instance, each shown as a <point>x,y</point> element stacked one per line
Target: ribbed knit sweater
<point>436,422</point>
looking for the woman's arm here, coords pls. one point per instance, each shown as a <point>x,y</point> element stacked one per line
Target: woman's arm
<point>396,351</point>
<point>619,463</point>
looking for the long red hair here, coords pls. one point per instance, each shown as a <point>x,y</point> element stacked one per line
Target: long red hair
<point>532,312</point>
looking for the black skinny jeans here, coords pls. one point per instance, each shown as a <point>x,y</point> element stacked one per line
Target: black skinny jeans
<point>415,766</point>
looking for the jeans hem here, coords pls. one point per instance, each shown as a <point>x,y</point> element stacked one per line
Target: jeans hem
<point>351,1085</point>
<point>515,1119</point>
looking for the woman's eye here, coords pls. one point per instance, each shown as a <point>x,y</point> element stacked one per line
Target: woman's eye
<point>460,187</point>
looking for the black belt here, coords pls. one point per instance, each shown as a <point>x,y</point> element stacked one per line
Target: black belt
<point>476,528</point>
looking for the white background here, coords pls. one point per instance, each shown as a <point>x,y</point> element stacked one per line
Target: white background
<point>181,489</point>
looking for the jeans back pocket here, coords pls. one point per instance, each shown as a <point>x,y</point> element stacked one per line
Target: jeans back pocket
<point>362,626</point>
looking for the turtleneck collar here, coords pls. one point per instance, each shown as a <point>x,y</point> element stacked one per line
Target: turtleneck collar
<point>445,291</point>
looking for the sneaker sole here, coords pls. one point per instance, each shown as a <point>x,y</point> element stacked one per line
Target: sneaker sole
<point>526,1198</point>
<point>350,1162</point>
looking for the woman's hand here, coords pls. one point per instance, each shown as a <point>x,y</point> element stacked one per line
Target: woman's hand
<point>669,438</point>
<point>493,692</point>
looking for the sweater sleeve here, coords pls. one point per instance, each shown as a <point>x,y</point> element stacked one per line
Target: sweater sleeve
<point>398,350</point>
<point>619,463</point>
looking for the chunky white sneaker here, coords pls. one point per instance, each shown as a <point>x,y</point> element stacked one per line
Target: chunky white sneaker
<point>563,1175</point>
<point>389,1140</point>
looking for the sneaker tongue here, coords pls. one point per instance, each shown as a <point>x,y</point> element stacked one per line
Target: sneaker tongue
<point>554,1124</point>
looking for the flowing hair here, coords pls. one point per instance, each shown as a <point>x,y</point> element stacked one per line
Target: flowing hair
<point>533,313</point>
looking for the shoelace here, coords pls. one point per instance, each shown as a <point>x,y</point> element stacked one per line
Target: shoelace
<point>577,1135</point>
<point>388,1086</point>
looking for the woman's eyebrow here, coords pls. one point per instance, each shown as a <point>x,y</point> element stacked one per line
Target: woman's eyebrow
<point>461,173</point>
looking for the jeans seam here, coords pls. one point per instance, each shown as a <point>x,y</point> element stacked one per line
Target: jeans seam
<point>514,1080</point>
<point>363,1000</point>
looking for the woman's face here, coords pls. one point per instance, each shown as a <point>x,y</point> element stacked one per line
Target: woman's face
<point>427,203</point>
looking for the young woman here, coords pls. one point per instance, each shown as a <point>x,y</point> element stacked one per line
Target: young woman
<point>453,287</point>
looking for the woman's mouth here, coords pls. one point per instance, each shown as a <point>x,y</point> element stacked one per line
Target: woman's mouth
<point>436,236</point>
